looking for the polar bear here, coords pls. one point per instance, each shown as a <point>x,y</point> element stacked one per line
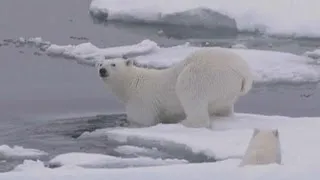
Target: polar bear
<point>264,148</point>
<point>205,84</point>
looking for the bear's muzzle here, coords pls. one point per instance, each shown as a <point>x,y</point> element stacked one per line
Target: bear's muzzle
<point>103,73</point>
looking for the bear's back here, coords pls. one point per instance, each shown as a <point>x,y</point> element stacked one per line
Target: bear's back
<point>216,57</point>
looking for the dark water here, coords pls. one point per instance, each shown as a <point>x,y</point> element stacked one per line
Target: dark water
<point>37,89</point>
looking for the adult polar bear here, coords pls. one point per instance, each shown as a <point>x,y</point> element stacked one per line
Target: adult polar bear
<point>205,84</point>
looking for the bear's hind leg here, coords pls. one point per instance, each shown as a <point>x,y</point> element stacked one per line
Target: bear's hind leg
<point>196,114</point>
<point>224,111</point>
<point>192,96</point>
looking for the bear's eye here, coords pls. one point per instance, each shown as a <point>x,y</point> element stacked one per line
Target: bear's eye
<point>113,65</point>
<point>100,65</point>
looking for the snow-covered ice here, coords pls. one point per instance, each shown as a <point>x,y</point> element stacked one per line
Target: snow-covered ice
<point>105,161</point>
<point>229,138</point>
<point>18,152</point>
<point>239,46</point>
<point>135,150</point>
<point>226,170</point>
<point>315,54</point>
<point>29,165</point>
<point>295,18</point>
<point>85,52</point>
<point>268,66</point>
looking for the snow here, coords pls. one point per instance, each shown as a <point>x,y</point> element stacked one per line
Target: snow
<point>37,41</point>
<point>267,66</point>
<point>29,165</point>
<point>226,170</point>
<point>18,152</point>
<point>229,137</point>
<point>105,161</point>
<point>239,46</point>
<point>135,150</point>
<point>283,18</point>
<point>226,141</point>
<point>86,51</point>
<point>315,54</point>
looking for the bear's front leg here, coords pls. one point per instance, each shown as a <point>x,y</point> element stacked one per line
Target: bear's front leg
<point>140,116</point>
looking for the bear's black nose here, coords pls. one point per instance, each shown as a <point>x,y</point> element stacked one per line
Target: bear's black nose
<point>103,72</point>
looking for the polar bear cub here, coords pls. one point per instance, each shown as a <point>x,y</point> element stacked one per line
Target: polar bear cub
<point>264,148</point>
<point>205,84</point>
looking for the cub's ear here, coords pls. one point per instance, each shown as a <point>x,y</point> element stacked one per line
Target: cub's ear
<point>255,132</point>
<point>276,132</point>
<point>130,62</point>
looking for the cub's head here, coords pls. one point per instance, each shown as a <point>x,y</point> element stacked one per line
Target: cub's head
<point>267,137</point>
<point>114,69</point>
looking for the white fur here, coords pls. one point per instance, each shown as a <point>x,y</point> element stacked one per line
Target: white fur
<point>264,148</point>
<point>206,84</point>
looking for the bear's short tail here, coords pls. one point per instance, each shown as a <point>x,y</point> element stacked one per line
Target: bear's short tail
<point>246,85</point>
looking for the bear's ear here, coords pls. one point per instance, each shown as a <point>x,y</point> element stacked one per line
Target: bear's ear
<point>129,62</point>
<point>275,132</point>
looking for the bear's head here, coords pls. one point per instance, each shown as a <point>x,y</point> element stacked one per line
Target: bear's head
<point>117,75</point>
<point>114,69</point>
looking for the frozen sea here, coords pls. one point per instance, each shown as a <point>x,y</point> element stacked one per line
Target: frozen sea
<point>55,109</point>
